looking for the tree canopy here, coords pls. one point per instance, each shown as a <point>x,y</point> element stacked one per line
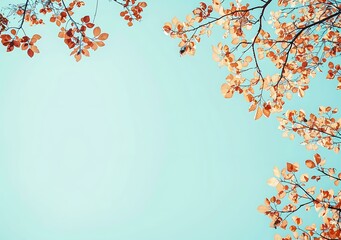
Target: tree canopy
<point>79,33</point>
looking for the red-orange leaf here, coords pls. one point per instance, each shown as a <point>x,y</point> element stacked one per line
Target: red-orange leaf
<point>317,158</point>
<point>30,53</point>
<point>90,25</point>
<point>310,164</point>
<point>86,19</point>
<point>291,167</point>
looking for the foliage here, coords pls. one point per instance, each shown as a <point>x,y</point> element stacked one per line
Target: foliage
<point>301,190</point>
<point>79,35</point>
<point>268,62</point>
<point>300,37</point>
<point>323,130</point>
<point>303,195</point>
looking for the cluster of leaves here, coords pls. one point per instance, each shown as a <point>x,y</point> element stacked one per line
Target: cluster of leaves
<point>297,193</point>
<point>299,40</point>
<point>334,72</point>
<point>304,36</point>
<point>132,10</point>
<point>323,130</point>
<point>10,41</point>
<point>3,23</point>
<point>77,39</point>
<point>75,33</point>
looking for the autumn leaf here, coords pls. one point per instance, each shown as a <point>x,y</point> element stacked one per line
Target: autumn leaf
<point>30,53</point>
<point>273,182</point>
<point>292,167</point>
<point>263,209</point>
<point>97,31</point>
<point>310,164</point>
<point>103,36</point>
<point>317,158</point>
<point>259,113</point>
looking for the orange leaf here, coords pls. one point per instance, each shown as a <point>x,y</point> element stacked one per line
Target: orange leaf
<point>78,57</point>
<point>292,167</point>
<point>97,31</point>
<point>36,36</point>
<point>85,52</point>
<point>35,49</point>
<point>310,164</point>
<point>263,209</point>
<point>103,36</point>
<point>143,4</point>
<point>100,43</point>
<point>266,112</point>
<point>30,53</point>
<point>24,46</point>
<point>277,237</point>
<point>317,158</point>
<point>248,59</point>
<point>259,113</point>
<point>61,34</point>
<point>94,47</point>
<point>297,220</point>
<point>252,107</point>
<point>90,25</point>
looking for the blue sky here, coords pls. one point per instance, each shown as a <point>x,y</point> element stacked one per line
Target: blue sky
<point>135,142</point>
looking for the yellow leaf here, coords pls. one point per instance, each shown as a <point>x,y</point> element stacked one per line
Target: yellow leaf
<point>273,182</point>
<point>175,21</point>
<point>226,90</point>
<point>288,95</point>
<point>276,172</point>
<point>277,237</point>
<point>215,57</point>
<point>216,50</point>
<point>235,41</point>
<point>248,59</point>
